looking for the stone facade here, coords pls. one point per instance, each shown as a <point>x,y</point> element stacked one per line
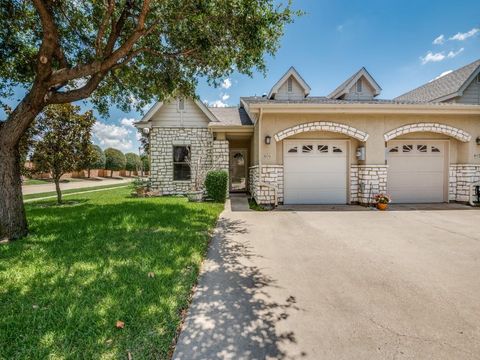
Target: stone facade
<point>322,126</point>
<point>271,175</point>
<point>162,141</point>
<point>366,181</point>
<point>461,176</point>
<point>429,127</point>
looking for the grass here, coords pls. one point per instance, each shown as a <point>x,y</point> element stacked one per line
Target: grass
<point>254,206</point>
<point>85,265</point>
<point>71,191</point>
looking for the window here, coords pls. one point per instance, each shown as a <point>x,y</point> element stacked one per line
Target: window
<point>307,148</point>
<point>478,78</point>
<point>290,84</point>
<point>322,148</point>
<point>337,150</point>
<point>293,149</point>
<point>422,148</point>
<point>359,86</point>
<point>394,149</point>
<point>181,168</point>
<point>181,104</point>
<point>407,148</point>
<point>435,149</point>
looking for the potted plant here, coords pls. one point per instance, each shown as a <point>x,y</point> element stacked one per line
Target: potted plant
<point>382,200</point>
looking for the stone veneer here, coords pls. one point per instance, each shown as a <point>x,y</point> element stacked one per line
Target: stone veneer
<point>461,176</point>
<point>322,126</point>
<point>201,145</point>
<point>366,181</point>
<point>270,174</point>
<point>428,127</point>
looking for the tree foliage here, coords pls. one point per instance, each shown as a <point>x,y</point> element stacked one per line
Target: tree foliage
<point>133,162</point>
<point>64,140</point>
<point>97,158</point>
<point>145,163</point>
<point>114,160</point>
<point>123,52</point>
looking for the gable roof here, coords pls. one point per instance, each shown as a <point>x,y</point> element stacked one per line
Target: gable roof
<point>159,105</point>
<point>444,88</point>
<point>344,87</point>
<point>294,73</point>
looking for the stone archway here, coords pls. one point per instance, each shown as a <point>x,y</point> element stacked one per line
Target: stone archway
<point>456,133</point>
<point>322,126</point>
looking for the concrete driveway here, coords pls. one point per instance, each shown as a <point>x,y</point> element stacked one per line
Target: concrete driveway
<point>339,285</point>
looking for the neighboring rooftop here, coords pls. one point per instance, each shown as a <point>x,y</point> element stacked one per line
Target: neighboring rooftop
<point>229,116</point>
<point>444,88</point>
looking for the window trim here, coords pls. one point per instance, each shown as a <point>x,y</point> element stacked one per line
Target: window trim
<point>359,84</point>
<point>189,149</point>
<point>181,101</point>
<point>290,85</point>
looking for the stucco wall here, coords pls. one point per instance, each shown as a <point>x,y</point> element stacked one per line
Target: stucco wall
<point>376,126</point>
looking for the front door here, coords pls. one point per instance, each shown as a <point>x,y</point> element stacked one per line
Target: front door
<point>238,170</point>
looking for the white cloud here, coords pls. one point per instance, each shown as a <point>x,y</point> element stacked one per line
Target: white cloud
<point>340,27</point>
<point>127,122</point>
<point>218,103</point>
<point>225,97</point>
<point>432,57</point>
<point>439,40</point>
<point>226,84</point>
<point>442,75</point>
<point>463,36</point>
<point>109,135</point>
<point>452,54</point>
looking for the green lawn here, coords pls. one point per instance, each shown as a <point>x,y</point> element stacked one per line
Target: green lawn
<point>71,191</point>
<point>85,265</point>
<point>47,181</point>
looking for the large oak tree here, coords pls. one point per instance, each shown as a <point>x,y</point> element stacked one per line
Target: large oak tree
<point>118,51</point>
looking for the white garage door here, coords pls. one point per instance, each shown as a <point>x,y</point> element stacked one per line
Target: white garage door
<point>315,172</point>
<point>416,171</point>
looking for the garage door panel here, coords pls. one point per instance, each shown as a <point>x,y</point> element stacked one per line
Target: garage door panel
<point>315,177</point>
<point>416,176</point>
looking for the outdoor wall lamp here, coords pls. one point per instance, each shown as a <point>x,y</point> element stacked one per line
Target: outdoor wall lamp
<point>268,139</point>
<point>477,140</point>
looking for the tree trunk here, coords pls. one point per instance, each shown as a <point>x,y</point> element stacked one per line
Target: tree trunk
<point>111,173</point>
<point>88,173</point>
<point>13,223</point>
<point>59,191</point>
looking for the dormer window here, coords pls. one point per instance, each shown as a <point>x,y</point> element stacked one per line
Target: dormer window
<point>181,104</point>
<point>359,86</point>
<point>290,85</point>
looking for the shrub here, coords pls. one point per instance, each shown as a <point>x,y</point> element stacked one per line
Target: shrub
<point>133,162</point>
<point>114,160</point>
<point>97,160</point>
<point>216,184</point>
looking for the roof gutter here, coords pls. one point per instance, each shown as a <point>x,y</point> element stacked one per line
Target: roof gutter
<point>453,109</point>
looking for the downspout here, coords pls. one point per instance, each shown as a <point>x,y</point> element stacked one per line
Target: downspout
<point>261,183</point>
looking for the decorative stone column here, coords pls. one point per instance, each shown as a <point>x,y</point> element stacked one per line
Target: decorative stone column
<point>366,181</point>
<point>461,177</point>
<point>267,184</point>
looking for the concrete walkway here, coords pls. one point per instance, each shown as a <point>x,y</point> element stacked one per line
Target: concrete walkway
<point>338,285</point>
<point>82,184</point>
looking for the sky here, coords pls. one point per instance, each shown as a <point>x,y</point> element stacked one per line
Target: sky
<point>403,44</point>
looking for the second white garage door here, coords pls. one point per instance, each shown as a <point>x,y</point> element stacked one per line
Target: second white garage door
<point>416,171</point>
<point>315,172</point>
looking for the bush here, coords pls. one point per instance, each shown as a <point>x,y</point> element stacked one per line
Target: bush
<point>114,160</point>
<point>216,184</point>
<point>133,162</point>
<point>97,160</point>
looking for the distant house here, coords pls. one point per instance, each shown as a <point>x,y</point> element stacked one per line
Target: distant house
<point>293,148</point>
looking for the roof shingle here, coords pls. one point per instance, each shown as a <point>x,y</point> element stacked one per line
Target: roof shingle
<point>439,88</point>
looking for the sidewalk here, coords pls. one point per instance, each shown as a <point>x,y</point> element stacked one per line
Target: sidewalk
<point>83,184</point>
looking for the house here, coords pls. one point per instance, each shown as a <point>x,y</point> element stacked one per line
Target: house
<point>294,148</point>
